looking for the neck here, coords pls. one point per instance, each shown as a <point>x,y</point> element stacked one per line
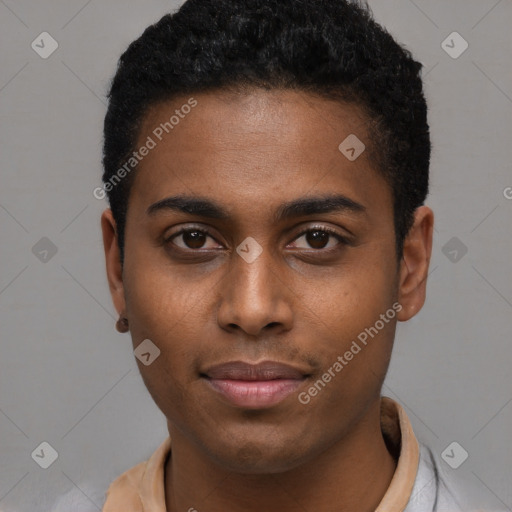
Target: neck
<point>353,474</point>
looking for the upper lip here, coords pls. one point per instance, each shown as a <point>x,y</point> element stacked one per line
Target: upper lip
<point>265,370</point>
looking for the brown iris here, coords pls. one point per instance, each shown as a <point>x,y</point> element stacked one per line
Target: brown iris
<point>317,239</point>
<point>194,239</point>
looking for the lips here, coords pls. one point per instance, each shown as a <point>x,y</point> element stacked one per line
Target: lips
<point>266,370</point>
<point>254,386</point>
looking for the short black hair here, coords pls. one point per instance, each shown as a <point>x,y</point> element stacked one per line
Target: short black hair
<point>329,48</point>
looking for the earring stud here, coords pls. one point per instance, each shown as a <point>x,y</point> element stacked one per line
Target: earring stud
<point>122,325</point>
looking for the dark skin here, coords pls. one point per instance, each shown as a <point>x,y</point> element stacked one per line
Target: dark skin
<point>302,301</point>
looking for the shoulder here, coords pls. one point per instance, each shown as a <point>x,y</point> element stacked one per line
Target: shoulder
<point>88,495</point>
<point>142,486</point>
<point>123,492</point>
<point>439,489</point>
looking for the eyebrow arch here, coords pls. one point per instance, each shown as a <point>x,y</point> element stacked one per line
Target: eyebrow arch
<point>204,207</point>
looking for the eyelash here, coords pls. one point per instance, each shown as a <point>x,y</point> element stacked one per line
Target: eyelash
<point>343,240</point>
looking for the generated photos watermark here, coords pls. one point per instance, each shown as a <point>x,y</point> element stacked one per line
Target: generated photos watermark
<point>151,142</point>
<point>343,360</point>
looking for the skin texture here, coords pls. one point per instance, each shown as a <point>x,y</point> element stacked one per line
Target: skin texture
<point>296,303</point>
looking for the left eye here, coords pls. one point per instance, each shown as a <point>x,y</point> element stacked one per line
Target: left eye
<point>192,238</point>
<point>318,238</point>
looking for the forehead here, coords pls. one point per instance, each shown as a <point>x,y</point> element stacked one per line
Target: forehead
<point>257,146</point>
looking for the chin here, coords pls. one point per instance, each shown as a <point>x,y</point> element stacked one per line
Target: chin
<point>257,459</point>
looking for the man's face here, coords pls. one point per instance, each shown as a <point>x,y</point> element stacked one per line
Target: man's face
<point>302,301</point>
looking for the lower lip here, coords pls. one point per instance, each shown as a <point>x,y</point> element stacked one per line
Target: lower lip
<point>256,394</point>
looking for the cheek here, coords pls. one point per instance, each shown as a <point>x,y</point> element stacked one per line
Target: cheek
<point>354,355</point>
<point>357,347</point>
<point>356,321</point>
<point>354,298</point>
<point>164,311</point>
<point>159,317</point>
<point>158,298</point>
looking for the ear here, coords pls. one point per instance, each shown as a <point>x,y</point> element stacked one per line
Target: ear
<point>414,265</point>
<point>113,260</point>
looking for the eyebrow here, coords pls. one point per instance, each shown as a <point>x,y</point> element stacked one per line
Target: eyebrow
<point>204,207</point>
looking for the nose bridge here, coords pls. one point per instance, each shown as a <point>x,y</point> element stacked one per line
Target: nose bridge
<point>254,273</point>
<point>252,299</point>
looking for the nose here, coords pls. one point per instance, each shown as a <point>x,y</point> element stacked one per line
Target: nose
<point>255,296</point>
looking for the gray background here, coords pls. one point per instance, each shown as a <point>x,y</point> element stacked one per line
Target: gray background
<point>68,378</point>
